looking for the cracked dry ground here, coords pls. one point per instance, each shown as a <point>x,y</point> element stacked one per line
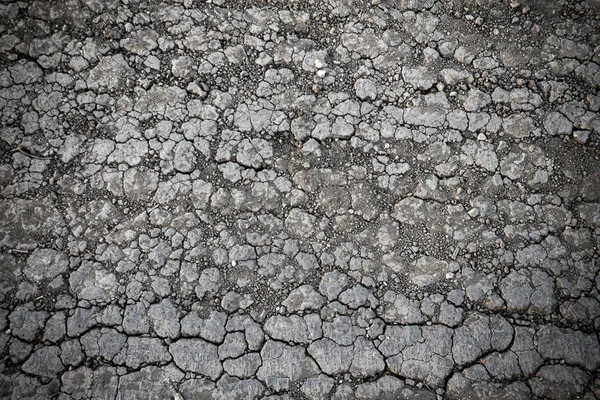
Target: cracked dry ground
<point>336,199</point>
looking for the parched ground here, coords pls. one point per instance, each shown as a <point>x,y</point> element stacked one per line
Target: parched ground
<point>334,199</point>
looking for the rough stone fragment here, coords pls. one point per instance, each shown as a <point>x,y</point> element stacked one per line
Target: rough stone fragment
<point>575,347</point>
<point>197,388</point>
<point>399,309</point>
<point>314,60</point>
<point>209,282</point>
<point>105,343</point>
<point>135,319</point>
<point>244,366</point>
<point>198,356</point>
<point>254,153</point>
<point>429,110</point>
<point>581,137</point>
<point>418,77</point>
<point>23,220</point>
<point>235,54</point>
<point>472,339</point>
<point>300,223</point>
<point>26,72</point>
<point>476,100</point>
<point>26,323</point>
<point>141,42</point>
<point>332,358</point>
<point>502,366</point>
<point>109,74</point>
<point>144,351</point>
<point>202,191</point>
<point>557,124</point>
<point>233,346</point>
<point>283,365</point>
<point>19,351</point>
<point>559,382</point>
<point>28,387</point>
<point>516,290</point>
<point>390,387</point>
<point>427,270</point>
<point>182,66</point>
<point>55,327</point>
<point>474,382</point>
<point>149,383</point>
<point>139,184</point>
<point>255,336</point>
<point>165,319</point>
<point>450,315</point>
<point>132,152</point>
<point>333,283</point>
<point>519,126</point>
<point>452,76</point>
<point>487,159</point>
<point>233,301</point>
<point>84,382</point>
<point>426,356</point>
<point>314,326</point>
<point>44,362</point>
<point>368,43</point>
<point>396,338</point>
<point>289,329</point>
<point>229,387</point>
<point>92,281</point>
<point>358,296</point>
<point>367,361</point>
<point>191,324</point>
<point>341,330</point>
<point>303,298</point>
<point>365,89</point>
<point>213,327</point>
<point>71,353</point>
<point>317,388</point>
<point>45,264</point>
<point>163,100</point>
<point>184,157</point>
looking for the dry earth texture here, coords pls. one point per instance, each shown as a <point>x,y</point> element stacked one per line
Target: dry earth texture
<point>333,199</point>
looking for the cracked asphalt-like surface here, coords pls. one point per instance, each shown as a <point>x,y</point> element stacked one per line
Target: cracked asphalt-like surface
<point>337,199</point>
